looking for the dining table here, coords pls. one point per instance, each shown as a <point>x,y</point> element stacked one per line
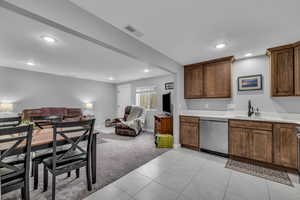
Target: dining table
<point>43,139</point>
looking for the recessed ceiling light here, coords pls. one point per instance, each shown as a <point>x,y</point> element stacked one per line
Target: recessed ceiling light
<point>48,39</point>
<point>111,78</point>
<point>248,54</point>
<point>30,63</point>
<point>220,46</point>
<point>146,70</point>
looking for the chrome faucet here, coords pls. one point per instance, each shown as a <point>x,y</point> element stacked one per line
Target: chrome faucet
<point>250,109</point>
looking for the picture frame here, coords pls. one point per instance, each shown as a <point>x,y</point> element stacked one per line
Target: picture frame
<point>169,86</point>
<point>250,83</point>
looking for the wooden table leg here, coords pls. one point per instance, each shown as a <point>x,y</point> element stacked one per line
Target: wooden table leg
<point>94,158</point>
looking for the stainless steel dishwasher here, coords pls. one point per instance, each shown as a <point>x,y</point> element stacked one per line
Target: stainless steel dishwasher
<point>214,135</point>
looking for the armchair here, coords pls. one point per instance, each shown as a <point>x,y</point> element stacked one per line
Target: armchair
<point>132,123</point>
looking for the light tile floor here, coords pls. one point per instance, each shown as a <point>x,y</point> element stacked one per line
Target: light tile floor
<point>182,174</point>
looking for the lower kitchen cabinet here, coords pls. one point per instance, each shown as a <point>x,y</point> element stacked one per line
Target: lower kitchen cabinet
<point>261,145</point>
<point>272,143</point>
<point>251,141</point>
<point>285,145</point>
<point>239,142</point>
<point>189,132</point>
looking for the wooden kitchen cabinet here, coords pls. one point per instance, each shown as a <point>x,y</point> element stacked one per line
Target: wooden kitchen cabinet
<point>261,145</point>
<point>251,140</point>
<point>297,69</point>
<point>239,142</point>
<point>217,80</point>
<point>209,79</point>
<point>282,72</point>
<point>189,132</point>
<point>285,145</point>
<point>193,81</point>
<point>285,70</point>
<point>267,142</point>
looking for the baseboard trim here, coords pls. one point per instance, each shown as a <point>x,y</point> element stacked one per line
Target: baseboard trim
<point>149,130</point>
<point>176,146</point>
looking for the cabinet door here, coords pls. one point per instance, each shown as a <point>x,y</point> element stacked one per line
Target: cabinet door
<point>239,142</point>
<point>282,67</point>
<point>261,145</point>
<point>297,70</point>
<point>189,134</point>
<point>193,82</point>
<point>217,80</point>
<point>285,145</point>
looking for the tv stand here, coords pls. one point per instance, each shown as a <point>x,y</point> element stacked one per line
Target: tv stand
<point>163,124</point>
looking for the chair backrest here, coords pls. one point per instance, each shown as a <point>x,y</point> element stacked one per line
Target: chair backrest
<point>51,118</point>
<point>73,133</point>
<point>127,112</point>
<point>15,141</point>
<point>10,122</point>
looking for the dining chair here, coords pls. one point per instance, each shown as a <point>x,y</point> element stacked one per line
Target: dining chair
<point>10,122</point>
<point>38,156</point>
<point>76,156</point>
<point>45,121</point>
<point>15,145</point>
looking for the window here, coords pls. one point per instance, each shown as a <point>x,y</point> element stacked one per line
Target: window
<point>146,97</point>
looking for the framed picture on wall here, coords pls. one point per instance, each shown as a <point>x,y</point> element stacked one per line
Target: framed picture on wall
<point>169,86</point>
<point>248,83</point>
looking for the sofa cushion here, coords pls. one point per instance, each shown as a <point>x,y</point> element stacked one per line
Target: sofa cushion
<point>69,112</point>
<point>74,112</point>
<point>54,111</point>
<point>28,113</point>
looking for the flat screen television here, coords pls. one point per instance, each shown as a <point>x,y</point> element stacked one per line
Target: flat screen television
<point>166,101</point>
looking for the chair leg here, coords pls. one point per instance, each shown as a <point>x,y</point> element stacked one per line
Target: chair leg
<point>23,193</point>
<point>45,179</point>
<point>69,174</point>
<point>35,176</point>
<point>53,186</point>
<point>88,177</point>
<point>77,173</point>
<point>32,168</point>
<point>26,189</point>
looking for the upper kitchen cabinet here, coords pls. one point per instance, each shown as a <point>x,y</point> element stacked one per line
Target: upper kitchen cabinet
<point>297,68</point>
<point>210,79</point>
<point>217,79</point>
<point>284,61</point>
<point>193,81</point>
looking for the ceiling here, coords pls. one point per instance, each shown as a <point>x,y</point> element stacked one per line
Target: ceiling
<point>21,41</point>
<point>188,31</point>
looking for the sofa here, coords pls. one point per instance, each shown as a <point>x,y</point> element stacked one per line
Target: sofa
<point>68,114</point>
<point>132,123</point>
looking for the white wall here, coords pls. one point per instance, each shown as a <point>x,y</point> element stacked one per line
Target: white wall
<point>261,99</point>
<point>67,14</point>
<point>159,83</point>
<point>34,90</point>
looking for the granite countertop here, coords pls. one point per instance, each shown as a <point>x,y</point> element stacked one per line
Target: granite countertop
<point>266,117</point>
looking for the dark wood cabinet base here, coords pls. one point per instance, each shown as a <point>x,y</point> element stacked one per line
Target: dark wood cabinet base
<point>190,147</point>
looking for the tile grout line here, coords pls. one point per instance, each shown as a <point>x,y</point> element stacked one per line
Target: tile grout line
<point>268,190</point>
<point>115,185</point>
<point>227,185</point>
<point>181,192</point>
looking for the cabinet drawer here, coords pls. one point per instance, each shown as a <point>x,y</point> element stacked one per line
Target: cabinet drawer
<point>251,125</point>
<point>189,119</point>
